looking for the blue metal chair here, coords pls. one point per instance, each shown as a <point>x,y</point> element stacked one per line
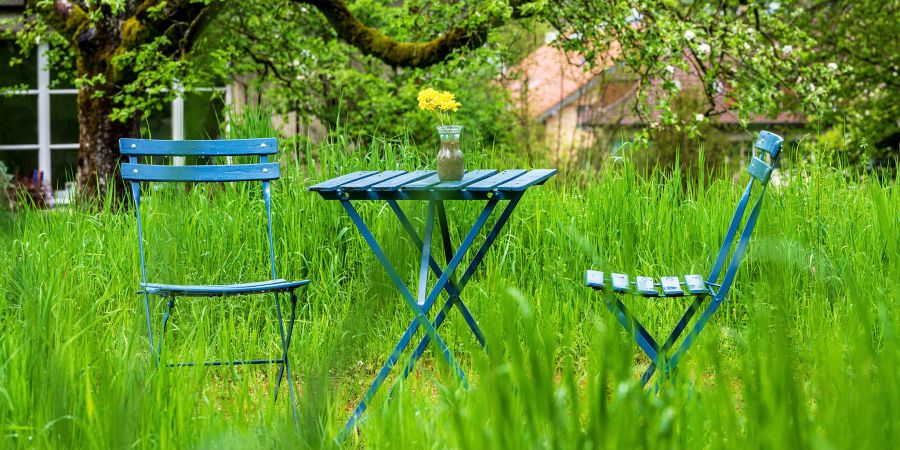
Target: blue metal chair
<point>264,172</point>
<point>760,170</point>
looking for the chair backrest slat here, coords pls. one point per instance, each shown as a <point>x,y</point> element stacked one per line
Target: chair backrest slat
<point>137,172</point>
<point>212,173</point>
<point>230,147</point>
<point>770,144</point>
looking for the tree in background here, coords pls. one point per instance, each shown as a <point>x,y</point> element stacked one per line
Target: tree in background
<point>836,61</point>
<point>109,48</point>
<point>125,56</point>
<point>859,42</point>
<point>298,63</point>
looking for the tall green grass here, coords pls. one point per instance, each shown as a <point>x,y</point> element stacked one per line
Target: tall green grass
<point>805,354</point>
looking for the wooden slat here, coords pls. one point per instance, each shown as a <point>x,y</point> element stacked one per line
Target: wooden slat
<point>645,286</point>
<point>529,179</point>
<point>334,183</point>
<point>671,286</point>
<point>695,284</point>
<point>467,179</point>
<point>225,147</point>
<point>398,182</point>
<point>367,182</point>
<point>213,173</point>
<point>422,184</point>
<point>594,279</point>
<point>488,184</point>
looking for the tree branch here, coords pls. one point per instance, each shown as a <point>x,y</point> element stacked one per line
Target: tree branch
<point>64,16</point>
<point>154,18</point>
<point>401,54</point>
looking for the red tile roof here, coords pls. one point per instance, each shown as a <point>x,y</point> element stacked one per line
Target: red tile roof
<point>550,78</point>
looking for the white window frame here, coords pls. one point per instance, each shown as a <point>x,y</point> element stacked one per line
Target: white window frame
<point>43,93</point>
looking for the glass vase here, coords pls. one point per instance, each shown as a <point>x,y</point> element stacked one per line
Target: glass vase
<point>451,164</point>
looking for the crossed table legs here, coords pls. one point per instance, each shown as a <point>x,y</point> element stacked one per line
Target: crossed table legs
<point>425,299</point>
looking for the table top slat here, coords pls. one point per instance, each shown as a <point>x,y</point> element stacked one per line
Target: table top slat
<point>488,184</point>
<point>467,179</point>
<point>368,182</point>
<point>334,183</point>
<point>422,184</point>
<point>529,179</point>
<point>399,182</point>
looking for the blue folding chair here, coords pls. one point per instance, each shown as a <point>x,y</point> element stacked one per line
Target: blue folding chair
<point>265,172</point>
<point>693,285</point>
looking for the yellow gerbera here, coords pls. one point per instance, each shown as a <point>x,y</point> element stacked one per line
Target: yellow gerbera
<point>440,103</point>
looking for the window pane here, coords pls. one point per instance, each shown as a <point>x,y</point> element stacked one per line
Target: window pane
<point>63,119</point>
<point>26,72</point>
<point>158,125</point>
<point>202,112</point>
<point>20,163</point>
<point>19,123</point>
<point>63,163</point>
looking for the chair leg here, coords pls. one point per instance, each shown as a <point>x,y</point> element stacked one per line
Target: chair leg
<point>673,337</point>
<point>285,343</point>
<point>162,332</point>
<point>149,325</point>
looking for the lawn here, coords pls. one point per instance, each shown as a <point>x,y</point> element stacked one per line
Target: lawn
<point>805,355</point>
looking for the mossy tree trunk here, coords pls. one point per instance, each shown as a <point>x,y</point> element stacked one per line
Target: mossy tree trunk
<point>98,152</point>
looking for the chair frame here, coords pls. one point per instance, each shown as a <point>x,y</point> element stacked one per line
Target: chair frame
<point>767,145</point>
<point>264,172</point>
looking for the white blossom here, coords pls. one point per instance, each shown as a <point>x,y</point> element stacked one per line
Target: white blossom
<point>832,66</point>
<point>670,69</point>
<point>787,49</point>
<point>699,117</point>
<point>703,48</point>
<point>689,35</point>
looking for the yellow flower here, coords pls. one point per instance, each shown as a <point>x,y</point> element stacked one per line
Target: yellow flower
<point>447,102</point>
<point>428,99</point>
<point>439,103</point>
<point>433,100</point>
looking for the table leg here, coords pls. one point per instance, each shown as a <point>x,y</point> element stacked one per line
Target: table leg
<point>421,318</point>
<point>479,257</point>
<point>426,255</point>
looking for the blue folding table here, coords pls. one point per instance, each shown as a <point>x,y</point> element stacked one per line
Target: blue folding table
<point>491,186</point>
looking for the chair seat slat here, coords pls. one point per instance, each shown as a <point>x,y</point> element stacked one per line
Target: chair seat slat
<point>645,286</point>
<point>594,279</point>
<point>229,147</point>
<point>216,290</point>
<point>212,173</point>
<point>695,284</point>
<point>671,286</point>
<point>620,282</point>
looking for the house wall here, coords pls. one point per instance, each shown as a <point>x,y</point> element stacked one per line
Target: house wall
<point>562,135</point>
